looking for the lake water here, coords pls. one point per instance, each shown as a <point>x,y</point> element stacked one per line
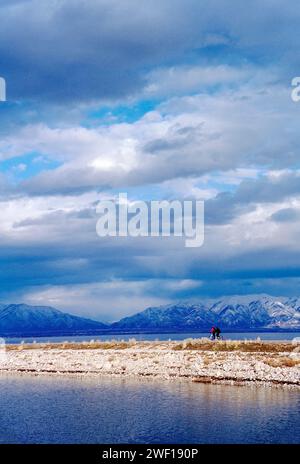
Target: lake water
<point>159,336</point>
<point>88,410</point>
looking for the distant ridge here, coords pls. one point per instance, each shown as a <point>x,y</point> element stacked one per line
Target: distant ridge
<point>246,313</point>
<point>238,312</point>
<point>24,319</point>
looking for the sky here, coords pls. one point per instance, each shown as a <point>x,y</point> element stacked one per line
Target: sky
<point>164,100</point>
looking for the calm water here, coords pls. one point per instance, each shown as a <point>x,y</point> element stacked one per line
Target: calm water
<point>162,336</point>
<point>67,410</point>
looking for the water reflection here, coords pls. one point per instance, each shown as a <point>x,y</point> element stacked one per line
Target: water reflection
<point>103,410</point>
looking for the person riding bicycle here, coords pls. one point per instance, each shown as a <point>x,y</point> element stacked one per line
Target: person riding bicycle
<point>213,332</point>
<point>217,332</point>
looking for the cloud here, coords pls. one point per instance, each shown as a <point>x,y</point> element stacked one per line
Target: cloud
<point>100,50</point>
<point>95,50</point>
<point>286,215</point>
<point>180,100</point>
<point>182,80</point>
<point>183,138</point>
<point>106,301</point>
<point>225,206</point>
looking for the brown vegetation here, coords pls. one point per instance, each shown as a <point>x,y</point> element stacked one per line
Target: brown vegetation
<point>234,345</point>
<point>93,345</point>
<point>282,361</point>
<point>203,344</point>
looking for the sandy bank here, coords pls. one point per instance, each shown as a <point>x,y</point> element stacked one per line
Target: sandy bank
<point>196,360</point>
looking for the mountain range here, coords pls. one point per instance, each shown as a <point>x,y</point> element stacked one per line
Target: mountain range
<point>238,312</point>
<point>24,319</point>
<point>230,313</point>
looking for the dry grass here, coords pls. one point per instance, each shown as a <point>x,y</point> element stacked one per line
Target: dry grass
<point>282,361</point>
<point>202,344</point>
<point>234,345</point>
<point>206,360</point>
<point>92,345</point>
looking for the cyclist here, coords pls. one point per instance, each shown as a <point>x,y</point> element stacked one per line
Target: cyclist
<point>213,332</point>
<point>217,332</point>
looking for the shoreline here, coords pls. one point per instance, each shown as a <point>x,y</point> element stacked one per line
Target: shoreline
<point>222,362</point>
<point>149,377</point>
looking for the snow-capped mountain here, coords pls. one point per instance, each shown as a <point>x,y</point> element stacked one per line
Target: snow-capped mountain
<point>238,312</point>
<point>24,319</point>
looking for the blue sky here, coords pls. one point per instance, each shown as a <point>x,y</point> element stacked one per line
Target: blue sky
<point>176,99</point>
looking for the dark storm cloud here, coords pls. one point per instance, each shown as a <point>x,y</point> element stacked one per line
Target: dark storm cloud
<point>79,50</point>
<point>227,205</point>
<point>286,215</point>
